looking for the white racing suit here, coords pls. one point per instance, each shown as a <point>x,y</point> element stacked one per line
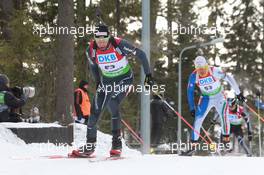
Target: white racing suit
<point>212,95</point>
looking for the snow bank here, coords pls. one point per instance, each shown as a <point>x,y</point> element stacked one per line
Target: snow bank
<point>7,137</point>
<point>29,125</point>
<point>15,148</point>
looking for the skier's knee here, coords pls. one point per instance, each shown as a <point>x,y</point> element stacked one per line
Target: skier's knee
<point>95,111</point>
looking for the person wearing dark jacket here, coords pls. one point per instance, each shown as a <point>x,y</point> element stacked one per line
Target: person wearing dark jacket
<point>159,113</point>
<point>8,102</point>
<point>82,103</point>
<point>113,75</point>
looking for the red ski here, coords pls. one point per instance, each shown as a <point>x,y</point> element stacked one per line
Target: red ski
<point>91,159</point>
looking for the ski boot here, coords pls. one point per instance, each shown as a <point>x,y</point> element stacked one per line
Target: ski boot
<point>116,149</point>
<point>226,141</point>
<point>85,151</point>
<point>249,155</point>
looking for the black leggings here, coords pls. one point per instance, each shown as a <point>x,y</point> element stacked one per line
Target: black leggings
<point>108,97</point>
<point>237,131</point>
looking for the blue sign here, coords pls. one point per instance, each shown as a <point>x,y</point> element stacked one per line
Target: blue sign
<point>107,58</point>
<point>206,81</point>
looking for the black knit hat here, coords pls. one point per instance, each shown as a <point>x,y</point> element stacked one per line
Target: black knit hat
<point>102,30</point>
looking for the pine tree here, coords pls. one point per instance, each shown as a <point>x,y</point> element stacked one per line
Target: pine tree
<point>19,52</point>
<point>243,42</point>
<point>64,63</point>
<point>44,14</point>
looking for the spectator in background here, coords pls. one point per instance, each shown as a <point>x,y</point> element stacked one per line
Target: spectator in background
<point>9,102</point>
<point>82,103</point>
<point>159,113</point>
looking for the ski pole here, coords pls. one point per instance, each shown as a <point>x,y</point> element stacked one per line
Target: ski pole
<point>206,134</point>
<point>250,145</point>
<point>181,117</point>
<point>134,134</point>
<point>98,15</point>
<point>252,110</point>
<point>209,128</point>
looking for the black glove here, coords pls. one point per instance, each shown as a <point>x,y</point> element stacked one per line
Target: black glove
<point>240,98</point>
<point>193,113</point>
<point>250,136</point>
<point>149,80</point>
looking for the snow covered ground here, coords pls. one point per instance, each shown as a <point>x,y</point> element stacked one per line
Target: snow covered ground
<point>18,158</point>
<point>28,125</point>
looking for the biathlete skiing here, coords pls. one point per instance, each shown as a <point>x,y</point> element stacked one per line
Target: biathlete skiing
<point>208,80</point>
<point>113,75</point>
<point>237,116</point>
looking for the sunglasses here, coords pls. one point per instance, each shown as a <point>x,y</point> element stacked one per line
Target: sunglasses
<point>201,67</point>
<point>101,36</point>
